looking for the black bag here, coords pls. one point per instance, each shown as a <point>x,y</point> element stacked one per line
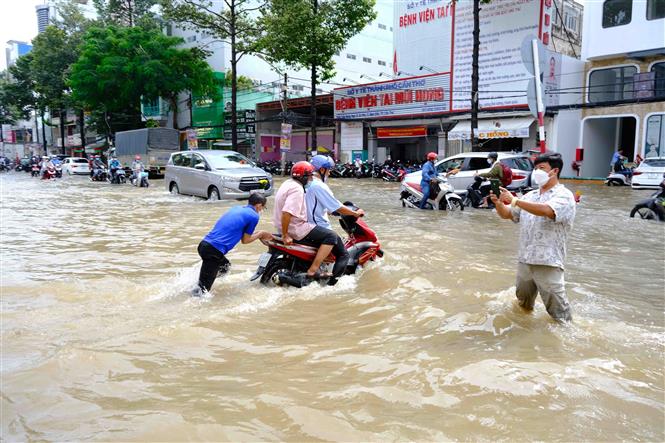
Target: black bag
<point>434,189</point>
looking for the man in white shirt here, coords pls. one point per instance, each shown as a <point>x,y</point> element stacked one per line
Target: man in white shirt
<point>546,218</point>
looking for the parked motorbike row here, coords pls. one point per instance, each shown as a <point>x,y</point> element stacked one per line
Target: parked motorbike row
<point>275,167</point>
<point>388,171</point>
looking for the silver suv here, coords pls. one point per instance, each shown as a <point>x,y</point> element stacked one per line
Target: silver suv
<point>215,175</point>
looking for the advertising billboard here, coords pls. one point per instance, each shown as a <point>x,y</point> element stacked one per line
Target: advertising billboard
<point>436,36</point>
<point>208,114</point>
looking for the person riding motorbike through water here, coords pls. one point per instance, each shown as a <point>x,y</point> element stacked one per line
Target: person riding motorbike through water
<point>43,165</point>
<point>290,220</point>
<point>320,202</point>
<point>98,166</point>
<point>55,160</point>
<point>114,165</point>
<point>137,169</point>
<point>428,175</point>
<point>495,174</point>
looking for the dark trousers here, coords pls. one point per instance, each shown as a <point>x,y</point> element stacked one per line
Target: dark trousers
<point>322,236</point>
<point>214,264</point>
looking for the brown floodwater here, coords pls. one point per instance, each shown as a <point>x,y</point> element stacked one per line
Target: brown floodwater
<point>101,341</point>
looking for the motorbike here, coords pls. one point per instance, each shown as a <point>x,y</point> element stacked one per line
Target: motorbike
<point>49,173</point>
<point>442,196</point>
<point>652,208</point>
<point>286,265</point>
<point>34,170</point>
<point>617,179</point>
<point>140,180</point>
<point>120,177</point>
<point>58,171</point>
<point>99,174</point>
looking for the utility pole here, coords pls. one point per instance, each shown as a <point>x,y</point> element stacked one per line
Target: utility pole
<point>314,81</point>
<point>82,117</point>
<point>284,109</point>
<point>474,75</point>
<point>63,116</point>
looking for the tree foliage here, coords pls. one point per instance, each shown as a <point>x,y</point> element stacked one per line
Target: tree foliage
<point>120,66</point>
<point>243,83</point>
<point>301,37</point>
<point>233,23</point>
<point>19,87</point>
<point>308,33</point>
<point>126,12</point>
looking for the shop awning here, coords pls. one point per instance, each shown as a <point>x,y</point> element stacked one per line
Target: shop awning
<point>517,127</point>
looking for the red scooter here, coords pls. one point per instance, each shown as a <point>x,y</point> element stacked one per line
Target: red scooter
<point>287,265</point>
<point>49,173</point>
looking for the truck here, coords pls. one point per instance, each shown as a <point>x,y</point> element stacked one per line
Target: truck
<point>154,145</point>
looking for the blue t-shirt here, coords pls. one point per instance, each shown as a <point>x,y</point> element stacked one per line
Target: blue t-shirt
<point>429,173</point>
<point>230,228</point>
<point>320,202</point>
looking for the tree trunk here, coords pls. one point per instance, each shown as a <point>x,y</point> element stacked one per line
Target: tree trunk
<point>81,118</point>
<point>130,13</point>
<point>63,116</point>
<point>313,105</point>
<point>474,75</point>
<point>234,77</point>
<point>43,130</point>
<point>174,109</point>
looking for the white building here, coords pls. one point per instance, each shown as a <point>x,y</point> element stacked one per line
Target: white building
<point>624,95</point>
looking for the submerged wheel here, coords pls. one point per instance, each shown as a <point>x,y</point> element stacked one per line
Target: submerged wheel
<point>174,189</point>
<point>279,265</point>
<point>213,193</point>
<point>454,204</point>
<point>645,212</point>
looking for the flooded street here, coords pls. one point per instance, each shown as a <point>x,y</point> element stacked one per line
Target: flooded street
<point>101,341</point>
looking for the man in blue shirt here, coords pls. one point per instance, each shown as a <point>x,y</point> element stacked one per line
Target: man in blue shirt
<point>320,202</point>
<point>237,225</point>
<point>428,174</point>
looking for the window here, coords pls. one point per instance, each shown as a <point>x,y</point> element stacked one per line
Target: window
<point>655,9</point>
<point>196,160</point>
<point>659,69</point>
<point>391,29</point>
<point>611,84</point>
<point>367,60</point>
<point>381,26</point>
<point>571,22</point>
<point>351,56</point>
<point>298,87</point>
<point>191,38</point>
<point>381,63</point>
<point>449,165</point>
<point>319,91</point>
<point>617,12</point>
<point>476,163</point>
<point>654,142</point>
<point>181,159</point>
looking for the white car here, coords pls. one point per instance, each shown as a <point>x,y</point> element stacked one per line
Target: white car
<point>75,165</point>
<point>649,173</point>
<point>471,163</point>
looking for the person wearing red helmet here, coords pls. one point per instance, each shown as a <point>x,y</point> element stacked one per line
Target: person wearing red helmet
<point>428,174</point>
<point>290,217</point>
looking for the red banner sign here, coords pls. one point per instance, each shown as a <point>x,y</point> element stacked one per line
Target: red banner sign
<point>413,131</point>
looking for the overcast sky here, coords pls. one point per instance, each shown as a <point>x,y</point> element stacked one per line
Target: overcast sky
<point>18,21</point>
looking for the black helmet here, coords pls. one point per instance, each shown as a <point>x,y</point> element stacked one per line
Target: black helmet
<point>493,155</point>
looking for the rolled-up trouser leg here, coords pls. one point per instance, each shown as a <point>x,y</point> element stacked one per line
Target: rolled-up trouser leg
<point>214,264</point>
<point>552,288</point>
<point>525,287</point>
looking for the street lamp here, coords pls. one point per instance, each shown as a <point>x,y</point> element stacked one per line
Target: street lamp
<point>368,77</point>
<point>350,80</point>
<point>427,68</point>
<point>383,74</point>
<point>400,73</point>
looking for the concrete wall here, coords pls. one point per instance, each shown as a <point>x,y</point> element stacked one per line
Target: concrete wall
<point>565,137</point>
<point>638,35</point>
<point>599,141</point>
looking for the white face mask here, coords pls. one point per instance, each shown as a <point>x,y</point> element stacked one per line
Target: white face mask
<point>540,177</point>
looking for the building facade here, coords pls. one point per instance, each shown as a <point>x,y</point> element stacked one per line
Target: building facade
<point>567,20</point>
<point>624,94</point>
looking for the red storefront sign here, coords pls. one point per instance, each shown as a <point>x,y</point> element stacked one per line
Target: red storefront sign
<point>413,131</point>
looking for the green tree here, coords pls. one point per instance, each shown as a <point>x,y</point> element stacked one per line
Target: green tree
<point>119,66</point>
<point>52,55</point>
<point>20,86</point>
<point>233,23</point>
<point>126,12</point>
<point>243,83</point>
<point>7,108</point>
<point>308,33</point>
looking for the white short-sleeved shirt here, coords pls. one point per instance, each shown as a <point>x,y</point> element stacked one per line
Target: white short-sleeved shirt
<point>543,240</point>
<point>320,202</point>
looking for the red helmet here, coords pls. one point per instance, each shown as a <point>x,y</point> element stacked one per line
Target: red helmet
<point>137,157</point>
<point>432,156</point>
<point>302,169</point>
